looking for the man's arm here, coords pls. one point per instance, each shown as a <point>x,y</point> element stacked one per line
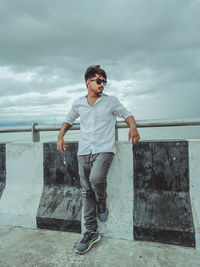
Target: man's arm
<point>69,119</point>
<point>133,133</point>
<point>61,143</point>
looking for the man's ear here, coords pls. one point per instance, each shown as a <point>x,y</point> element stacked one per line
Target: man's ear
<point>87,82</point>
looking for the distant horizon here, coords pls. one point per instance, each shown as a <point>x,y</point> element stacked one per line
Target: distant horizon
<point>41,122</point>
<point>23,123</point>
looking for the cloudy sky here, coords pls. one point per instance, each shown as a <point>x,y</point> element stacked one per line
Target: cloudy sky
<point>149,49</point>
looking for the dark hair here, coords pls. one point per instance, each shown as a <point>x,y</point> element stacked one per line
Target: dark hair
<point>92,70</point>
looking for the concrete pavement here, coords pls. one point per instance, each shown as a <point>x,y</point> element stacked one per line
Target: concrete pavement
<point>44,248</point>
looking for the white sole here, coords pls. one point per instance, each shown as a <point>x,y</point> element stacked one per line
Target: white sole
<point>95,241</point>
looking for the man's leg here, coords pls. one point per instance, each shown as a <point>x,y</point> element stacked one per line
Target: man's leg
<point>88,195</point>
<point>98,181</point>
<point>91,236</point>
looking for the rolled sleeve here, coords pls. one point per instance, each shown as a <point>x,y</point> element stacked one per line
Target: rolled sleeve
<point>119,110</point>
<point>72,115</point>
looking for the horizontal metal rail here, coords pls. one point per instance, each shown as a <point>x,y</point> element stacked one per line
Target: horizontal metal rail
<point>36,129</point>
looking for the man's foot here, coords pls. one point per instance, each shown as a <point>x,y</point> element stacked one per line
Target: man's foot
<point>89,239</point>
<point>102,209</point>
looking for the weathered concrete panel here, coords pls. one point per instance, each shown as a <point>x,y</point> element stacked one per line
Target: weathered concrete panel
<point>2,167</point>
<point>162,209</point>
<point>119,195</point>
<point>60,205</point>
<point>24,183</point>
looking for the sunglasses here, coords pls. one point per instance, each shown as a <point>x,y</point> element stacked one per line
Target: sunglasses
<point>99,81</point>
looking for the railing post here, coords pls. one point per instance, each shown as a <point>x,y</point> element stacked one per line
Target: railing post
<point>35,134</point>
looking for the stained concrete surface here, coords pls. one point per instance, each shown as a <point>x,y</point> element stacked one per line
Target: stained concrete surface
<point>162,207</point>
<point>37,247</point>
<point>60,203</point>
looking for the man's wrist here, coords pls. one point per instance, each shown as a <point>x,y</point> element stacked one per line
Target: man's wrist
<point>60,137</point>
<point>133,126</point>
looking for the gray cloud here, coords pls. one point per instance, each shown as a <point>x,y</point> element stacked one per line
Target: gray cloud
<point>150,50</point>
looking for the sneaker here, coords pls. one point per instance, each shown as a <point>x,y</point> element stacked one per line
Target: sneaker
<point>89,239</point>
<point>102,209</point>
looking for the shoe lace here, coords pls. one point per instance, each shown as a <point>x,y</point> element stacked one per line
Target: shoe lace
<point>86,237</point>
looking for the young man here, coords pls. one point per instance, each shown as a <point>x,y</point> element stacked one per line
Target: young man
<point>97,112</point>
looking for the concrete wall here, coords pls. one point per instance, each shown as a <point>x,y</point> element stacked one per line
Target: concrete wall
<point>152,190</point>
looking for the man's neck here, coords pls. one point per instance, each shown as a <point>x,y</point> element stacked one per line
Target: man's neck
<point>93,96</point>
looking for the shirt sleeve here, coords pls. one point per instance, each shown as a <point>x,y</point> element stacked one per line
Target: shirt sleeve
<point>119,110</point>
<point>72,115</point>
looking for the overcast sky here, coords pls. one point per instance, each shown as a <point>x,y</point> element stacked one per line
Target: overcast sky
<point>149,49</point>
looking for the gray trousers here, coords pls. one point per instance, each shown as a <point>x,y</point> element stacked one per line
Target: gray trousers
<point>93,169</point>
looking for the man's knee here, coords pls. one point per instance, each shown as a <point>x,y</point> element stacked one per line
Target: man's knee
<point>88,193</point>
<point>97,182</point>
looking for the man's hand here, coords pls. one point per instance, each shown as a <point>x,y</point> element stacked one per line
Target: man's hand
<point>61,144</point>
<point>134,135</point>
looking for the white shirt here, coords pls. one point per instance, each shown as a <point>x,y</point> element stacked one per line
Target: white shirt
<point>97,123</point>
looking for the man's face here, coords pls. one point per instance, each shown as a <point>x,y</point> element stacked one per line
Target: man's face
<point>94,87</point>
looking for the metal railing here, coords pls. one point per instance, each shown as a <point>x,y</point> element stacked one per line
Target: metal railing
<point>36,129</point>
